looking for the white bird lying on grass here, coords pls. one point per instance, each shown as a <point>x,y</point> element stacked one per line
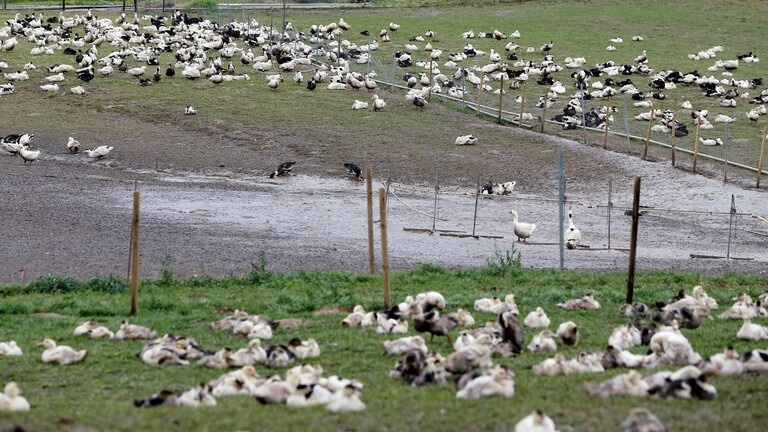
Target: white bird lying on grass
<point>10,349</point>
<point>61,354</point>
<point>12,400</point>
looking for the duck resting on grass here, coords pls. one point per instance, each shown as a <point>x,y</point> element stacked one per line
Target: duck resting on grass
<point>61,354</point>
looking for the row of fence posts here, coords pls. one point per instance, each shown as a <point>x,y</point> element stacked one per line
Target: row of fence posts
<point>478,112</point>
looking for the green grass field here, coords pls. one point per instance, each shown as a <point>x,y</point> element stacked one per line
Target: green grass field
<point>99,392</point>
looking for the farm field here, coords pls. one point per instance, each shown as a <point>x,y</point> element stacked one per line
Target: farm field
<point>98,394</point>
<point>217,232</point>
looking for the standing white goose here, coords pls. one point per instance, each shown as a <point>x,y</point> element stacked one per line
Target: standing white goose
<point>28,155</point>
<point>572,234</point>
<point>522,230</point>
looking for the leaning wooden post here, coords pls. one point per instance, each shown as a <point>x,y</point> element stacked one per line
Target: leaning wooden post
<point>762,154</point>
<point>135,255</point>
<point>543,114</point>
<point>522,107</point>
<point>369,202</point>
<point>648,133</point>
<point>633,242</point>
<point>696,145</point>
<point>384,253</point>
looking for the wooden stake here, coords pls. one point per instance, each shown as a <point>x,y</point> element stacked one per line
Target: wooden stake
<point>522,107</point>
<point>135,255</point>
<point>479,93</point>
<point>696,145</point>
<point>633,243</point>
<point>429,93</point>
<point>501,96</point>
<point>648,133</point>
<point>674,129</point>
<point>762,154</point>
<point>605,123</point>
<point>384,253</point>
<point>369,203</point>
<point>543,114</point>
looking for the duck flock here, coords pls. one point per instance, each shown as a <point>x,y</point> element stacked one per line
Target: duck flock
<point>471,367</point>
<point>326,55</point>
<point>101,47</point>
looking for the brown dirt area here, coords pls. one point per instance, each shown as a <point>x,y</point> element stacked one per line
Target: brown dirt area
<point>208,207</point>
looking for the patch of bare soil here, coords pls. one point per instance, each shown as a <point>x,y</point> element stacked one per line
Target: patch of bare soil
<point>211,209</point>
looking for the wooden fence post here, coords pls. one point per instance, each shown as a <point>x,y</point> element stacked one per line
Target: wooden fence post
<point>135,255</point>
<point>633,243</point>
<point>522,107</point>
<point>696,145</point>
<point>762,154</point>
<point>605,123</point>
<point>369,203</point>
<point>384,253</point>
<point>648,133</point>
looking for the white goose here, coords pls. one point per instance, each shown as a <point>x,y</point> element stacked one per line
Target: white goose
<point>61,354</point>
<point>73,145</point>
<point>378,103</point>
<point>359,105</point>
<point>12,400</point>
<point>522,230</point>
<point>572,234</point>
<point>28,155</point>
<point>10,349</point>
<point>537,319</point>
<point>99,152</point>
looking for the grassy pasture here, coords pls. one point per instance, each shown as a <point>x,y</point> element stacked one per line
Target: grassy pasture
<point>99,392</point>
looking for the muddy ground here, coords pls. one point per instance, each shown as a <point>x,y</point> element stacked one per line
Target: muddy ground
<point>212,210</point>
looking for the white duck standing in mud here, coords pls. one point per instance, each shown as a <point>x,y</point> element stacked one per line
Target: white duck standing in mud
<point>522,230</point>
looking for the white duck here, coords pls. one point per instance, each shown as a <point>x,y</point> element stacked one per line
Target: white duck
<point>61,354</point>
<point>28,155</point>
<point>466,140</point>
<point>346,400</point>
<point>572,234</point>
<point>10,349</point>
<point>253,354</point>
<point>522,230</point>
<point>537,319</point>
<point>12,400</point>
<point>378,103</point>
<point>93,330</point>
<point>134,331</point>
<point>99,152</point>
<point>73,145</point>
<point>537,421</point>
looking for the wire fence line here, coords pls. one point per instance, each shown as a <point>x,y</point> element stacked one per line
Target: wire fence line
<point>525,104</point>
